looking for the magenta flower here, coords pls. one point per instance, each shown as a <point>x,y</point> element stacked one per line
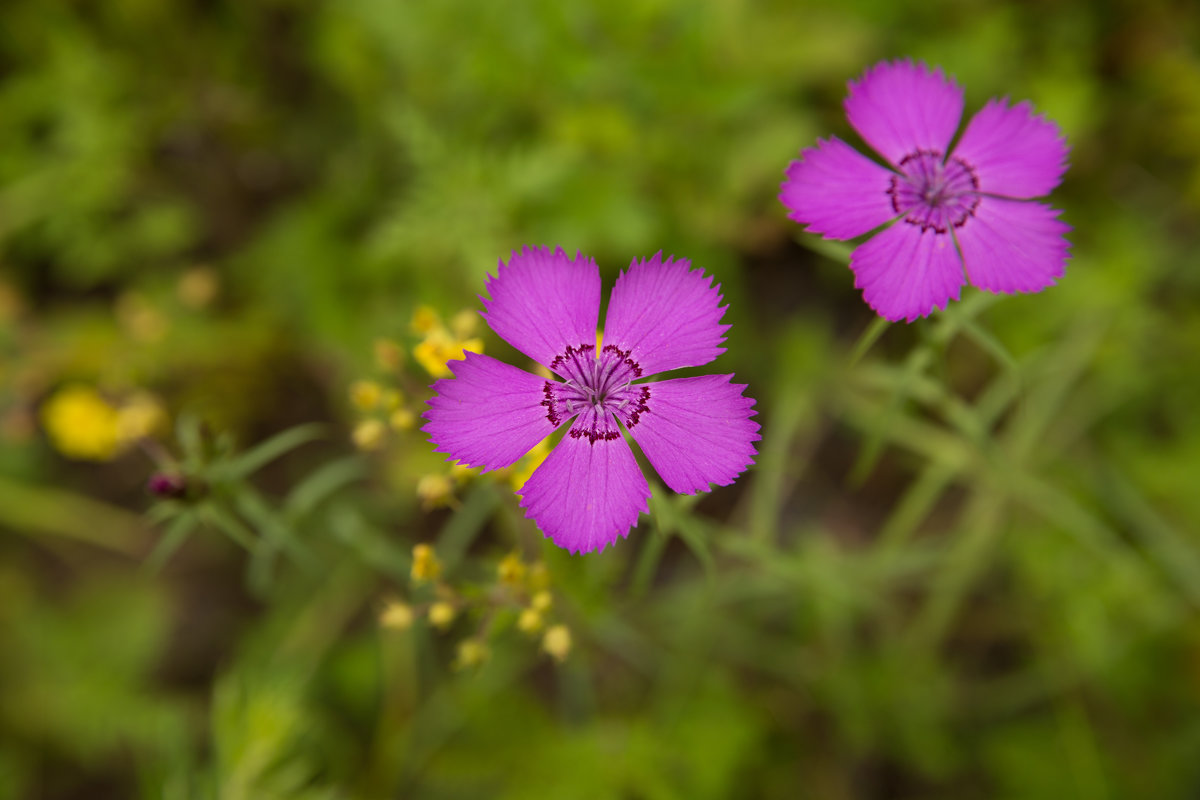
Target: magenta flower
<point>958,216</point>
<point>590,490</point>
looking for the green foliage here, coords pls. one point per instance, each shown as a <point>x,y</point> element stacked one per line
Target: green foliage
<point>966,563</point>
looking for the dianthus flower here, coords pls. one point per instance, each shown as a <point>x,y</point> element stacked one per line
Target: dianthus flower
<point>959,214</point>
<point>661,316</point>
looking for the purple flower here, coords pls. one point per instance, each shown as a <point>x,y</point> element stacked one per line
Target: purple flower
<point>590,490</point>
<point>963,215</point>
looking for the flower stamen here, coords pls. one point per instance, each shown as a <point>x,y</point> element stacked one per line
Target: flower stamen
<point>932,193</point>
<point>601,389</point>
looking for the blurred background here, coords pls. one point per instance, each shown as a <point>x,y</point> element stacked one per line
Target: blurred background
<point>236,240</point>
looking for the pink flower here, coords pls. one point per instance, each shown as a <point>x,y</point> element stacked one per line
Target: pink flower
<point>966,215</point>
<point>661,316</point>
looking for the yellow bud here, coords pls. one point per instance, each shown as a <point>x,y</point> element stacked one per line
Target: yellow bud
<point>397,616</point>
<point>538,579</point>
<point>425,320</point>
<point>463,323</point>
<point>435,490</point>
<point>511,570</point>
<point>389,356</point>
<point>81,424</point>
<point>369,434</point>
<point>141,320</point>
<point>402,419</point>
<point>197,287</point>
<point>140,417</point>
<point>557,642</point>
<point>471,653</point>
<point>391,399</point>
<point>365,395</point>
<point>428,355</point>
<point>541,602</point>
<point>530,621</point>
<point>425,563</point>
<point>462,473</point>
<point>442,614</point>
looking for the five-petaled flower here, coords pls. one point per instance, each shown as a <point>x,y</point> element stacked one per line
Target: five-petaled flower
<point>958,215</point>
<point>661,316</point>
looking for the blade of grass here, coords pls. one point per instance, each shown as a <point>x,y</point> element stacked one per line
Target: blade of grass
<point>877,427</point>
<point>273,529</point>
<point>259,456</point>
<point>172,538</point>
<point>867,340</point>
<point>43,510</point>
<point>321,484</point>
<point>1170,549</point>
<point>464,525</point>
<point>212,514</point>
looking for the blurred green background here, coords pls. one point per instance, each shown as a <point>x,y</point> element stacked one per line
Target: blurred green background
<point>967,563</point>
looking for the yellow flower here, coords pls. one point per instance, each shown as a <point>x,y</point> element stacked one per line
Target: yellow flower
<point>541,602</point>
<point>425,320</point>
<point>530,621</point>
<point>365,395</point>
<point>440,347</point>
<point>511,570</point>
<point>425,564</point>
<point>471,653</point>
<point>391,399</point>
<point>462,473</point>
<point>397,616</point>
<point>81,424</point>
<point>435,490</point>
<point>442,614</point>
<point>464,323</point>
<point>557,642</point>
<point>368,434</point>
<point>402,419</point>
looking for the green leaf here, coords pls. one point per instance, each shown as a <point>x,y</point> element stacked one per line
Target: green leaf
<point>228,524</point>
<point>867,340</point>
<point>275,531</point>
<point>321,484</point>
<point>173,537</point>
<point>257,457</point>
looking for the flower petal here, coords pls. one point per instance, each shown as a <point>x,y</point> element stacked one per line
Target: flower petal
<point>906,272</point>
<point>899,107</point>
<point>1013,245</point>
<point>697,431</point>
<point>543,302</point>
<point>586,494</point>
<point>836,191</point>
<point>1013,152</point>
<point>489,414</point>
<point>665,315</point>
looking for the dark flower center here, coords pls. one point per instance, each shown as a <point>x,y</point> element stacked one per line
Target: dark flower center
<point>934,193</point>
<point>598,391</point>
